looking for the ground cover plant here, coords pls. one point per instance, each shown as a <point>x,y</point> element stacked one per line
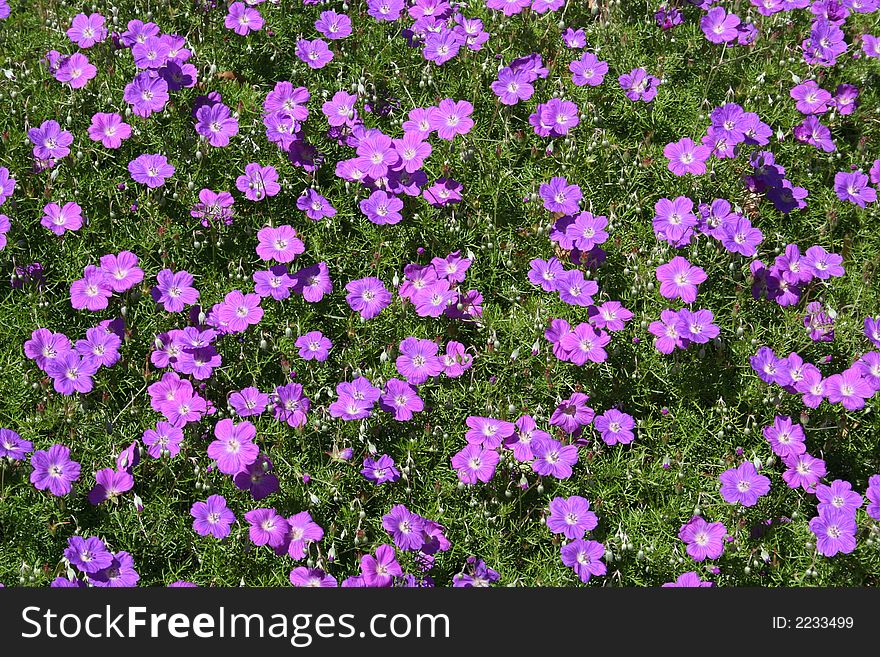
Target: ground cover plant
<point>433,293</point>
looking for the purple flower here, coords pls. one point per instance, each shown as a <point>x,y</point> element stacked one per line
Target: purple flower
<point>704,540</point>
<point>552,458</point>
<point>86,31</point>
<point>314,346</point>
<point>291,405</point>
<point>401,399</point>
<point>120,573</point>
<point>512,86</point>
<point>697,326</point>
<point>216,124</point>
<point>341,109</point>
<point>741,237</point>
<point>589,70</point>
<point>382,208</point>
<point>233,448</point>
<point>583,343</point>
<point>412,151</point>
<point>60,219</point>
<point>838,496</point>
<point>488,431</point>
<point>674,220</point>
<point>686,157</point>
<point>88,555</point>
<point>151,170</point>
<point>302,530</point>
<point>610,315</point>
<point>406,528</point>
<point>785,437</point>
<point>12,446</point>
<point>476,575</point>
<point>146,94</point>
<point>275,283</point>
<point>571,414</point>
<point>688,579</point>
<point>451,118</point>
<point>804,471</point>
<point>213,206</point>
<point>333,25</point>
<point>54,469</point>
<point>380,470</point>
<point>571,517</point>
<point>313,282</point>
<point>835,532</point>
<point>109,485</point>
<point>71,373</point>
<point>638,85</point>
<point>243,19</point>
<point>257,478</point>
<point>76,71</point>
<point>315,53</point>
<point>575,290</point>
<point>853,187</point>
<point>849,388</point>
<point>585,557</point>
<point>311,578</point>
<point>315,206</point>
<point>873,495</point>
<point>165,438</point>
<point>212,517</point>
<point>121,270</point>
<point>174,290</point>
<point>475,463</point>
<point>50,141</point>
<point>280,244</point>
<point>267,527</point>
<point>545,273</point>
<point>7,185</point>
<point>811,99</point>
<point>258,182</point>
<point>455,361</point>
<point>91,291</point>
<point>442,46</point>
<point>418,360</point>
<point>615,427</point>
<point>381,569</point>
<point>367,296</point>
<point>743,485</point>
<point>679,279</point>
<point>719,26</point>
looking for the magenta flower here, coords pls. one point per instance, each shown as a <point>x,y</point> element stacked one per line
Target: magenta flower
<point>311,578</point>
<point>674,221</point>
<point>91,291</point>
<point>109,485</point>
<point>7,185</point>
<point>174,290</point>
<point>848,388</point>
<point>313,346</point>
<point>418,360</point>
<point>679,279</point>
<point>315,206</point>
<point>512,86</point>
<point>552,458</point>
<point>86,31</point>
<point>785,437</point>
<point>585,557</point>
<point>442,46</point>
<point>615,427</point>
<point>234,446</point>
<point>333,25</point>
<point>688,579</point>
<point>164,439</point>
<point>571,517</point>
<point>401,399</point>
<point>704,540</point>
<point>212,517</point>
<point>291,405</point>
<point>811,99</point>
<point>302,530</point>
<point>243,19</point>
<point>54,469</point>
<point>382,208</point>
<point>258,182</point>
<point>451,118</point>
<point>588,70</point>
<point>119,574</point>
<point>12,446</point>
<point>573,413</point>
<point>639,85</point>
<point>121,270</point>
<point>315,53</point>
<point>873,495</point>
<point>475,463</point>
<point>686,157</point>
<point>838,496</point>
<point>487,431</point>
<point>280,244</point>
<point>583,343</point>
<point>60,219</point>
<point>380,570</point>
<point>146,94</point>
<point>267,527</point>
<point>367,296</point>
<point>406,528</point>
<point>238,311</point>
<point>109,129</point>
<point>743,485</point>
<point>804,471</point>
<point>151,170</point>
<point>76,71</point>
<point>380,470</point>
<point>697,326</point>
